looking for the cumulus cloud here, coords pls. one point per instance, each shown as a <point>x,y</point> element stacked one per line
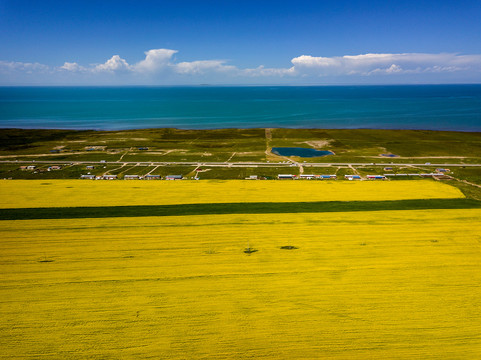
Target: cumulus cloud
<point>155,60</point>
<point>372,64</point>
<point>114,64</point>
<point>309,61</point>
<point>72,66</point>
<point>393,69</point>
<point>158,63</point>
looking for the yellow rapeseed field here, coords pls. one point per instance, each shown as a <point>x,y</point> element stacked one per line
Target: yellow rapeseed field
<point>361,285</point>
<point>53,193</point>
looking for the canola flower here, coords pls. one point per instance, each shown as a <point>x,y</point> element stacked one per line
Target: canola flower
<point>72,193</point>
<point>384,285</point>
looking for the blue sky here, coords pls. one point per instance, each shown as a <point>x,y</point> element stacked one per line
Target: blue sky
<point>239,42</point>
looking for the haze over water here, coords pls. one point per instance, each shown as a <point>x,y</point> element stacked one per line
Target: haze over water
<point>432,107</point>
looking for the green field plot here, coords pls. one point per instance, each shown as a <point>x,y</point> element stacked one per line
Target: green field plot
<point>364,170</point>
<point>244,172</point>
<point>9,171</point>
<point>240,146</point>
<point>411,142</point>
<point>341,171</point>
<point>350,145</point>
<point>121,169</point>
<point>246,156</point>
<point>174,170</point>
<point>470,174</point>
<point>139,170</point>
<point>41,171</point>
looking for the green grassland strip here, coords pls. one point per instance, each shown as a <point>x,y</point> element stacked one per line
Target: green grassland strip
<point>233,208</point>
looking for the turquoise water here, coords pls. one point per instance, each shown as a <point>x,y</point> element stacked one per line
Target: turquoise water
<point>301,152</point>
<point>435,107</point>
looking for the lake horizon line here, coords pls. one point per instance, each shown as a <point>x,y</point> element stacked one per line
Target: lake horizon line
<point>444,107</point>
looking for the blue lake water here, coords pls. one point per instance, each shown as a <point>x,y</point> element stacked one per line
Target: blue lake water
<point>434,107</point>
<point>301,152</point>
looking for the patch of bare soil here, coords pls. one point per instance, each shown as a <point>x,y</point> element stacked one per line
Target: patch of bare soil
<point>163,152</point>
<point>318,144</point>
<point>128,139</point>
<point>249,153</point>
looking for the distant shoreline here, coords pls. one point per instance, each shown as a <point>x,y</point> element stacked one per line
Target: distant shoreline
<point>235,85</point>
<point>411,107</point>
<point>230,128</point>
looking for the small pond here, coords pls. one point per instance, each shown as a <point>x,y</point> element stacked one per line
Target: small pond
<point>301,152</point>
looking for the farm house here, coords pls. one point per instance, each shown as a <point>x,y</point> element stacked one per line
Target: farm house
<point>131,177</point>
<point>174,177</point>
<point>152,177</point>
<point>110,177</point>
<point>286,177</point>
<point>352,177</point>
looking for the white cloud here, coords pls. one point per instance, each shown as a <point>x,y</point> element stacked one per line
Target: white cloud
<point>393,69</point>
<point>263,71</point>
<point>204,66</point>
<point>375,64</point>
<point>72,66</point>
<point>155,60</point>
<point>114,64</point>
<point>16,66</point>
<point>311,61</point>
<point>441,69</point>
<point>160,64</point>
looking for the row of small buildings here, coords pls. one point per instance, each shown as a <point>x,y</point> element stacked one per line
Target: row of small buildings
<point>438,170</point>
<point>425,175</point>
<point>350,177</point>
<point>130,177</point>
<point>353,177</point>
<point>33,167</point>
<point>305,176</point>
<point>385,176</point>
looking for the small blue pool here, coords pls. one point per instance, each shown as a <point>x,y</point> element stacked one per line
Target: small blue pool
<point>301,152</point>
<point>389,155</point>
